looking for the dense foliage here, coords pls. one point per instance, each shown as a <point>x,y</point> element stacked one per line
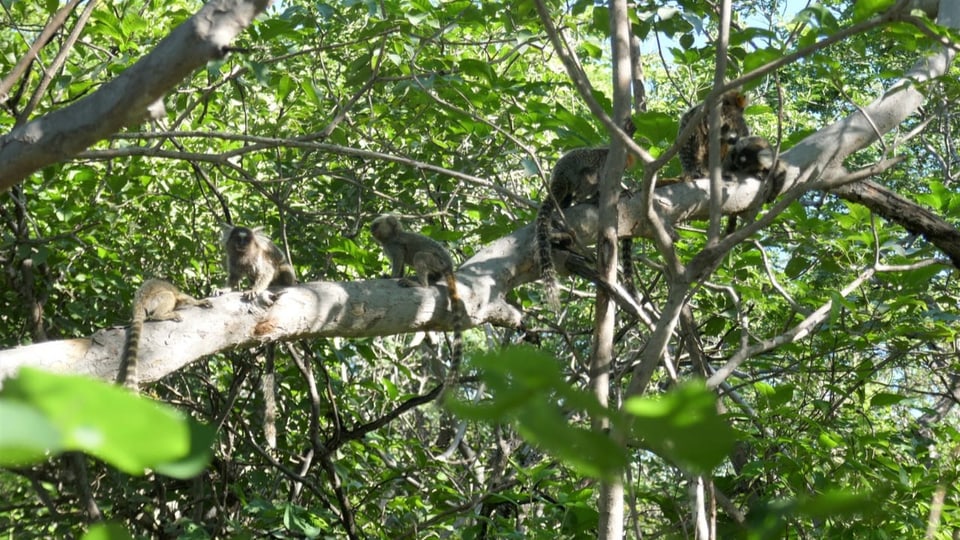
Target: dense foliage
<point>451,115</point>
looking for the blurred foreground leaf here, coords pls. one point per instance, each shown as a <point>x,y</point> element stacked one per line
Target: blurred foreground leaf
<point>684,426</point>
<point>527,388</point>
<point>45,414</point>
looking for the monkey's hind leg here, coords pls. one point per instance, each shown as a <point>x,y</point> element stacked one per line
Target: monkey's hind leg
<point>426,264</point>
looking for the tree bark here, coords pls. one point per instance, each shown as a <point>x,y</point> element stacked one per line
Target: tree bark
<point>913,217</point>
<point>610,504</point>
<point>63,133</point>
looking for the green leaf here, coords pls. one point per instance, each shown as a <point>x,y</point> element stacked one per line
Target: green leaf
<point>359,70</point>
<point>601,19</point>
<point>759,58</point>
<point>109,422</point>
<point>528,388</point>
<point>829,440</point>
<point>284,87</point>
<point>591,453</point>
<point>27,435</point>
<point>107,531</point>
<point>774,396</point>
<point>476,68</point>
<point>677,423</point>
<point>197,457</point>
<point>656,127</point>
<point>311,92</point>
<point>837,502</point>
<point>885,399</point>
<point>864,9</point>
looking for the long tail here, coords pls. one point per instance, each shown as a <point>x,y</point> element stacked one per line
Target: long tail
<point>626,261</point>
<point>128,374</point>
<point>544,258</point>
<point>459,321</point>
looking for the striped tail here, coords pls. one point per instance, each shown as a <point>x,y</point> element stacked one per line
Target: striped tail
<point>128,375</point>
<point>544,258</point>
<point>459,321</point>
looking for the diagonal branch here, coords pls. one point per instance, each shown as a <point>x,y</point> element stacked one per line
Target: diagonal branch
<point>57,136</point>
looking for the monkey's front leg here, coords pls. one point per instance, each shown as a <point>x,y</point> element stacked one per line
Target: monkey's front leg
<point>233,282</point>
<point>422,264</point>
<point>264,275</point>
<point>259,287</point>
<point>396,257</point>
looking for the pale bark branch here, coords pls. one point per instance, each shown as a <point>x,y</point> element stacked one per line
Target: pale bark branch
<point>63,133</point>
<point>374,307</point>
<point>49,30</point>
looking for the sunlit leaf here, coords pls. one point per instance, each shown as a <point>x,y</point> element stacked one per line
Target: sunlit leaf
<point>864,9</point>
<point>676,424</point>
<point>84,411</point>
<point>27,436</point>
<point>107,531</point>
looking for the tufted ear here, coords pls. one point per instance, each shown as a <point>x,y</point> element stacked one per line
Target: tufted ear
<point>742,100</point>
<point>225,229</point>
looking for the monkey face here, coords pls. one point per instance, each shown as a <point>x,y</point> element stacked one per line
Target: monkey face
<point>733,126</point>
<point>752,155</point>
<point>384,227</point>
<point>239,239</point>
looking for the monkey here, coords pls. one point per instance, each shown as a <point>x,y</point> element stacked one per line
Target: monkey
<point>156,300</point>
<point>251,254</point>
<point>754,155</point>
<point>575,179</point>
<point>695,150</point>
<point>432,262</point>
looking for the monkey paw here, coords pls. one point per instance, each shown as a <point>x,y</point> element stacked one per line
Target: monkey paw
<point>406,282</point>
<point>262,298</point>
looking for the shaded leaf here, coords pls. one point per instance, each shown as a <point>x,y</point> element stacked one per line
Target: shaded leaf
<point>677,423</point>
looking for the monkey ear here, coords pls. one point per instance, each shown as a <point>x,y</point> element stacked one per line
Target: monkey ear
<point>225,230</point>
<point>261,237</point>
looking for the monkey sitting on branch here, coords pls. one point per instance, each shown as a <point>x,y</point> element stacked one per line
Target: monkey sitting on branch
<point>156,300</point>
<point>575,179</point>
<point>432,262</point>
<point>756,156</point>
<point>252,255</point>
<point>695,150</point>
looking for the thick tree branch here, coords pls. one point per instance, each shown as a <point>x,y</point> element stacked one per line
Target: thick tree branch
<point>48,31</point>
<point>380,307</point>
<point>910,215</point>
<point>61,134</point>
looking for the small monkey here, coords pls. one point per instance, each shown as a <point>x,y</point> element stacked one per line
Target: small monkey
<point>432,262</point>
<point>695,151</point>
<point>754,156</point>
<point>156,300</point>
<point>575,179</point>
<point>251,254</point>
